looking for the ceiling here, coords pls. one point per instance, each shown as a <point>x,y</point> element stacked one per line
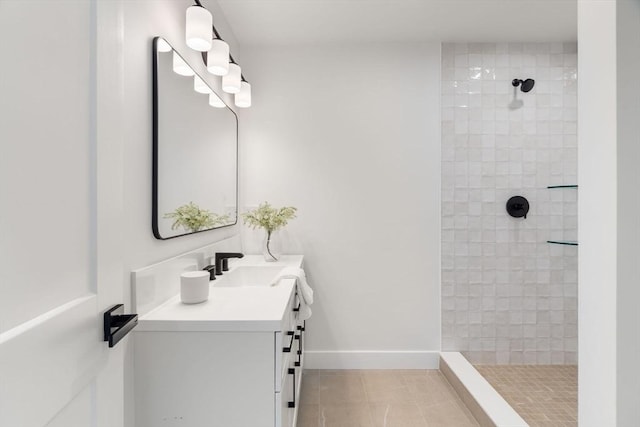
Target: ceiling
<point>297,22</point>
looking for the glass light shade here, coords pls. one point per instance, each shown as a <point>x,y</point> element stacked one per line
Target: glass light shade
<point>200,86</point>
<point>218,58</point>
<point>163,46</point>
<point>181,67</point>
<point>231,82</point>
<point>243,98</point>
<point>215,101</point>
<point>199,28</point>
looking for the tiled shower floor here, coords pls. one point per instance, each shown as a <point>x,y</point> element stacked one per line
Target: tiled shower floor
<point>389,398</point>
<point>544,395</point>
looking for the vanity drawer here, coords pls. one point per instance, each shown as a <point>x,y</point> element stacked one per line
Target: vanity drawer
<point>288,355</point>
<point>283,360</point>
<point>290,359</point>
<point>287,341</point>
<point>292,313</point>
<point>286,401</point>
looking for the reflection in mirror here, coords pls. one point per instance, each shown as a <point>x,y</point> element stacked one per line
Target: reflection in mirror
<point>195,150</point>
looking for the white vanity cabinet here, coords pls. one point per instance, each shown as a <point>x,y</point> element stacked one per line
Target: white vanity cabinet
<point>215,366</point>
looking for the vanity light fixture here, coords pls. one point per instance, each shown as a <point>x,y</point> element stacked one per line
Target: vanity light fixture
<point>243,98</point>
<point>215,54</point>
<point>199,28</point>
<point>163,46</point>
<point>231,82</point>
<point>218,58</point>
<point>200,86</point>
<point>215,101</point>
<point>181,67</point>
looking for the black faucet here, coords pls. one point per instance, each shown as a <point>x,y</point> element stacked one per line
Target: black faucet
<point>221,260</point>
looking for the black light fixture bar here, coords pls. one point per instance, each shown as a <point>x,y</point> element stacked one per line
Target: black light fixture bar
<point>217,34</point>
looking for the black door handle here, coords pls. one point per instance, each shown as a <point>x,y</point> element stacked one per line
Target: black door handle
<point>117,324</point>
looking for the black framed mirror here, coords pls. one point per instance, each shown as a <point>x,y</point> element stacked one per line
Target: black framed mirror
<point>195,150</point>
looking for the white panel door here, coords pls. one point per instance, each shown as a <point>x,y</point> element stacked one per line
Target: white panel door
<point>60,266</point>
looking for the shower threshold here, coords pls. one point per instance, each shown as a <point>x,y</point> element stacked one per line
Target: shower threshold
<point>514,395</point>
<point>485,403</point>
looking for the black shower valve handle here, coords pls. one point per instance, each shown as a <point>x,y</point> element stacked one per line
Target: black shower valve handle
<point>518,207</point>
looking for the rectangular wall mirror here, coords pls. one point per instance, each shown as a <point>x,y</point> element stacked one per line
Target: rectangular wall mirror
<point>195,150</point>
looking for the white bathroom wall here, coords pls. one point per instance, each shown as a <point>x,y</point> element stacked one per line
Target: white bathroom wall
<point>141,21</point>
<point>137,22</point>
<point>350,135</point>
<point>597,374</point>
<point>628,157</point>
<point>609,377</point>
<point>508,296</point>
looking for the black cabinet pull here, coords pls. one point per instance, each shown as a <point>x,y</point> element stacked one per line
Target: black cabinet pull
<point>299,352</point>
<point>288,349</point>
<point>297,308</point>
<point>292,403</point>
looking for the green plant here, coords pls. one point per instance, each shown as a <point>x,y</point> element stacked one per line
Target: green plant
<point>269,218</point>
<point>193,218</point>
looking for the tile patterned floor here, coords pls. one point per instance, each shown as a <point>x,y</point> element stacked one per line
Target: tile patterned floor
<point>380,398</point>
<point>545,396</point>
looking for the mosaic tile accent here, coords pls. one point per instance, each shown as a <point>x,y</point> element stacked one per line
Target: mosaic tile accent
<point>509,297</point>
<point>545,396</point>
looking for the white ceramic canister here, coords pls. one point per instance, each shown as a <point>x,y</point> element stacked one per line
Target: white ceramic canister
<point>194,287</point>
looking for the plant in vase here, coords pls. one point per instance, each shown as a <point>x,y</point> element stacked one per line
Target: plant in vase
<point>193,218</point>
<point>271,219</point>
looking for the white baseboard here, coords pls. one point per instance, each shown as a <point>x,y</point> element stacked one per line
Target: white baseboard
<point>371,359</point>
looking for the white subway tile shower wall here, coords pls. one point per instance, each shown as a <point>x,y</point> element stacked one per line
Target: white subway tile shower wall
<point>508,296</point>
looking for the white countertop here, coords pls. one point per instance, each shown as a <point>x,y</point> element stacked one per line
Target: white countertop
<point>228,308</point>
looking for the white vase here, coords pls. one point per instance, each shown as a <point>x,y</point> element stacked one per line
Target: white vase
<point>271,246</point>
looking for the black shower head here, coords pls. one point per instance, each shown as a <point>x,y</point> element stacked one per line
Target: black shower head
<point>525,85</point>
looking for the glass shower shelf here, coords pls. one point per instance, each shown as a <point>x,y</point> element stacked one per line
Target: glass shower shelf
<point>563,242</point>
<point>562,186</point>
